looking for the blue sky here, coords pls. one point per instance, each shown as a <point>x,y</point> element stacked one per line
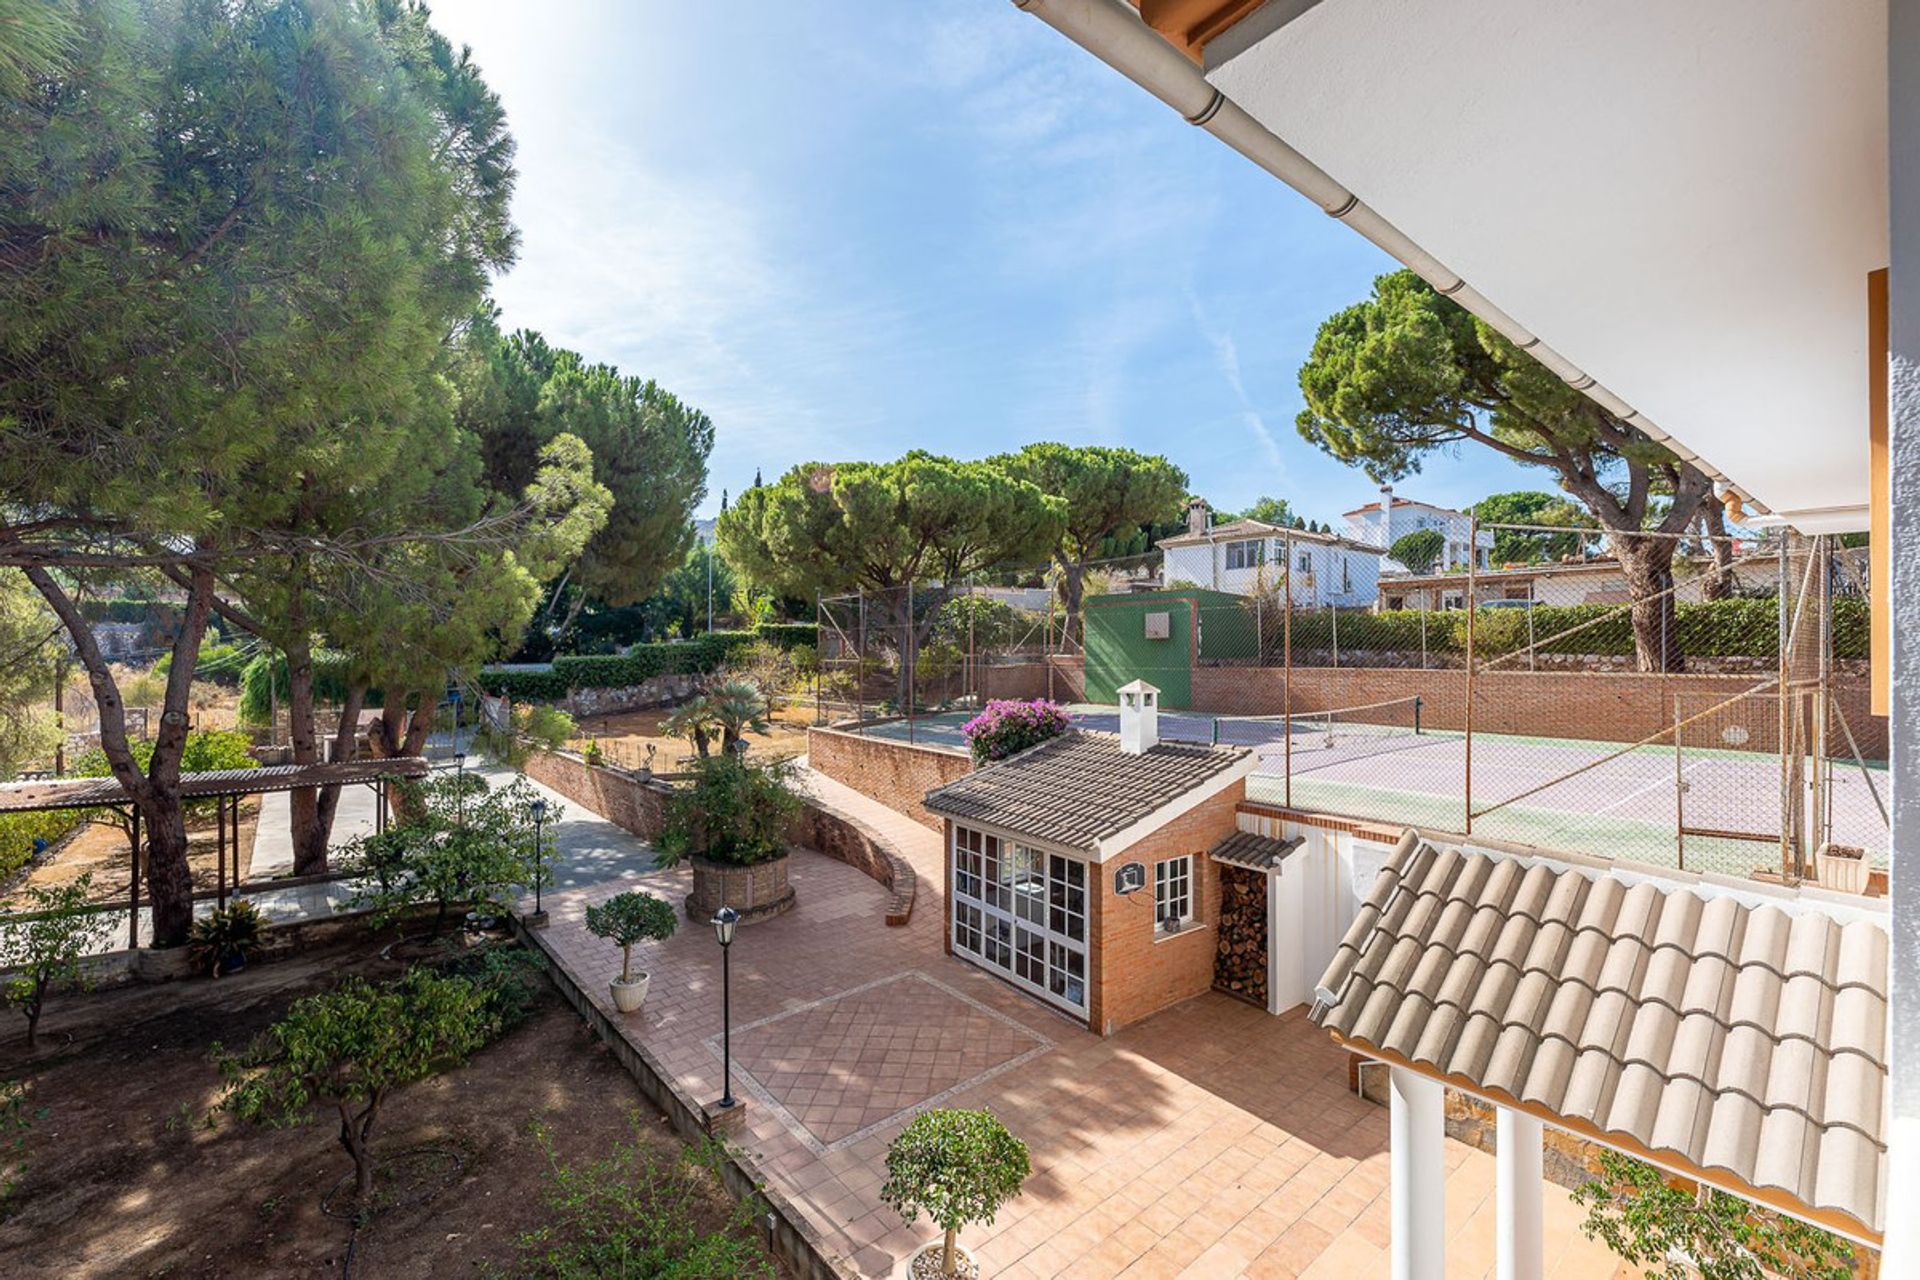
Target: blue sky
<point>850,229</point>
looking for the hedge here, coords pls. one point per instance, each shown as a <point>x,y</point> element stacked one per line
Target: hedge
<point>1744,626</point>
<point>18,831</point>
<point>788,635</point>
<point>619,671</point>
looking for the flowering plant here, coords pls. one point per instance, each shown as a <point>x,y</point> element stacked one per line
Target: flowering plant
<point>1008,725</point>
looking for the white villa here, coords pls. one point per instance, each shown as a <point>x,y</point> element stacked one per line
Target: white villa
<point>1244,557</point>
<point>1381,524</point>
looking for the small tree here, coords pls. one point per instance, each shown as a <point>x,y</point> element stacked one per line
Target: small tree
<point>957,1167</point>
<point>629,918</point>
<point>1680,1232</point>
<point>1007,726</point>
<point>740,708</point>
<point>736,812</point>
<point>695,721</point>
<point>463,841</point>
<point>351,1048</point>
<point>1420,550</point>
<point>46,950</point>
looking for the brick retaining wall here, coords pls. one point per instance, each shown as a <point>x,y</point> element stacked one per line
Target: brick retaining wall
<point>897,774</point>
<point>636,805</point>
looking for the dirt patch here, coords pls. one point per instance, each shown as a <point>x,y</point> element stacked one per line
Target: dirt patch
<point>101,848</point>
<point>625,736</point>
<point>124,1178</point>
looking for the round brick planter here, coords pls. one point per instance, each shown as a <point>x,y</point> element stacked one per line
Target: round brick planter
<point>758,892</point>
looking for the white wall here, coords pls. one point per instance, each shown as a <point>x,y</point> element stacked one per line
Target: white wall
<point>1322,584</point>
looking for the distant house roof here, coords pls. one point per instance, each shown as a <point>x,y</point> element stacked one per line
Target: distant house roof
<point>1741,1043</point>
<point>1404,502</point>
<point>1080,788</point>
<point>1237,530</point>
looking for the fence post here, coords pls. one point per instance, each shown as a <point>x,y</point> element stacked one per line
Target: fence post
<point>860,665</point>
<point>1423,639</point>
<point>1333,616</point>
<point>1473,583</point>
<point>1679,793</point>
<point>1286,679</point>
<point>906,658</point>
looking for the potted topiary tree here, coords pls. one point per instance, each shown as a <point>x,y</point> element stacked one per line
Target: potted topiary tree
<point>957,1167</point>
<point>627,918</point>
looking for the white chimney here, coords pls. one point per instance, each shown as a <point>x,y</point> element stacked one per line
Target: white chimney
<point>1139,717</point>
<point>1197,516</point>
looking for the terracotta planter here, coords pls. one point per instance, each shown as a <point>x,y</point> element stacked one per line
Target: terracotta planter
<point>757,892</point>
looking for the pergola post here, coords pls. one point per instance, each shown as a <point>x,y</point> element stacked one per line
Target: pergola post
<point>1521,1238</point>
<point>1418,1176</point>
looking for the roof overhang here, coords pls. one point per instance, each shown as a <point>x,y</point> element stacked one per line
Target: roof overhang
<point>1187,801</point>
<point>1705,192</point>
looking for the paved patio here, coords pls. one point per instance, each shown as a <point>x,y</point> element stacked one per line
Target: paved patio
<point>1210,1141</point>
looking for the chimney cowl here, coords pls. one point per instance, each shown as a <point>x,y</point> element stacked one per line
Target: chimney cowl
<point>1198,515</point>
<point>1139,717</point>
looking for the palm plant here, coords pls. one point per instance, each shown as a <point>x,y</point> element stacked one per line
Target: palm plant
<point>695,720</point>
<point>739,708</point>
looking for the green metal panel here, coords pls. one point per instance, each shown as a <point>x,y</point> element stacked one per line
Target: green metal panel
<point>1118,651</point>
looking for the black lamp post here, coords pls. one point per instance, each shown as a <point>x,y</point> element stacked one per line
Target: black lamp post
<point>460,784</point>
<point>538,808</point>
<point>723,925</point>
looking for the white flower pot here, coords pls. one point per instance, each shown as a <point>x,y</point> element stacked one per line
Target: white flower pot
<point>629,996</point>
<point>964,1263</point>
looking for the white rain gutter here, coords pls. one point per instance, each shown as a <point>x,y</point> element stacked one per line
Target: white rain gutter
<point>1111,30</point>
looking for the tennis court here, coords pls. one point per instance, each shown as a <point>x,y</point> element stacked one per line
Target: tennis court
<point>1557,793</point>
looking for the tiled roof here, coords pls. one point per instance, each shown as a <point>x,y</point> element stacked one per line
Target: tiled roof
<point>1080,787</point>
<point>1738,1038</point>
<point>1237,529</point>
<point>1254,852</point>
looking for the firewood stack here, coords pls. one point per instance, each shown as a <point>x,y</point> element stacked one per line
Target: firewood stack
<point>1240,959</point>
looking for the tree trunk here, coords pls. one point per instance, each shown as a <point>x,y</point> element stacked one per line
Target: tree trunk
<point>1647,563</point>
<point>155,793</point>
<point>303,805</point>
<point>949,1260</point>
<point>1719,582</point>
<point>354,1134</point>
<point>1073,590</point>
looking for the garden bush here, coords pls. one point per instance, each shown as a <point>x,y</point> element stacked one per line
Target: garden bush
<point>45,952</point>
<point>221,664</point>
<point>735,812</point>
<point>330,671</point>
<point>1010,725</point>
<point>20,832</point>
<point>641,662</point>
<point>957,1167</point>
<point>640,1214</point>
<point>787,635</point>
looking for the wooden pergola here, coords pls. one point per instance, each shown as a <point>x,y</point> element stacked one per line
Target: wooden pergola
<point>226,786</point>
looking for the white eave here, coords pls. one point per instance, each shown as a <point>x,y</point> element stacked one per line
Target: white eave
<point>1705,194</point>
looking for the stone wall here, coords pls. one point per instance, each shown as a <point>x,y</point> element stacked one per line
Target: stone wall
<point>659,691</point>
<point>622,798</point>
<point>897,774</point>
<point>637,805</point>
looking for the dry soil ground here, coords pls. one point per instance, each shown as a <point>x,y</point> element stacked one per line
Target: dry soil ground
<point>123,1178</point>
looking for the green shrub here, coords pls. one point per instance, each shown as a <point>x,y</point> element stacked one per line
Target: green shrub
<point>331,670</point>
<point>642,662</point>
<point>19,832</point>
<point>639,1214</point>
<point>735,812</point>
<point>221,664</point>
<point>461,842</point>
<point>45,952</point>
<point>226,934</point>
<point>787,635</point>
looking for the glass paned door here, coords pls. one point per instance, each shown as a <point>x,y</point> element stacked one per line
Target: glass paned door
<point>1022,913</point>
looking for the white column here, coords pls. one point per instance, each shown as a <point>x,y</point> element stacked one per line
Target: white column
<point>1522,1242</point>
<point>1418,1132</point>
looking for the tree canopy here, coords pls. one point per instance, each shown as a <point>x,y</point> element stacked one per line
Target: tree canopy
<point>1104,493</point>
<point>1530,506</point>
<point>1408,371</point>
<point>1420,550</point>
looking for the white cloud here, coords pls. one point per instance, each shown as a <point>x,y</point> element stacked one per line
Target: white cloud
<point>1226,356</point>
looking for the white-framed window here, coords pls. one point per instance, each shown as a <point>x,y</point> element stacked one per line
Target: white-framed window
<point>1306,562</point>
<point>1023,913</point>
<point>1173,893</point>
<point>1246,555</point>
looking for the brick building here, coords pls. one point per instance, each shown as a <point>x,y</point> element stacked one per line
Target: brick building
<point>1080,870</point>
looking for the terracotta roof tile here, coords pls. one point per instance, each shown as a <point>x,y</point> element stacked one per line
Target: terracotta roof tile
<point>1741,1038</point>
<point>1080,787</point>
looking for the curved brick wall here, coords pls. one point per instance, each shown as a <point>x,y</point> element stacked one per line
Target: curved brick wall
<point>897,774</point>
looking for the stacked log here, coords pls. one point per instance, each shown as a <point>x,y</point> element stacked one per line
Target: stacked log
<point>1240,956</point>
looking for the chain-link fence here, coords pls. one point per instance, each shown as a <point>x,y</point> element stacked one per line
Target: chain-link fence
<point>1693,701</point>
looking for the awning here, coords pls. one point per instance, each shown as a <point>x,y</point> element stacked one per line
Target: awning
<point>97,793</point>
<point>1254,852</point>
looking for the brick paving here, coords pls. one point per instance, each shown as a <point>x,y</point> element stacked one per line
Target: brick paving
<point>1209,1141</point>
